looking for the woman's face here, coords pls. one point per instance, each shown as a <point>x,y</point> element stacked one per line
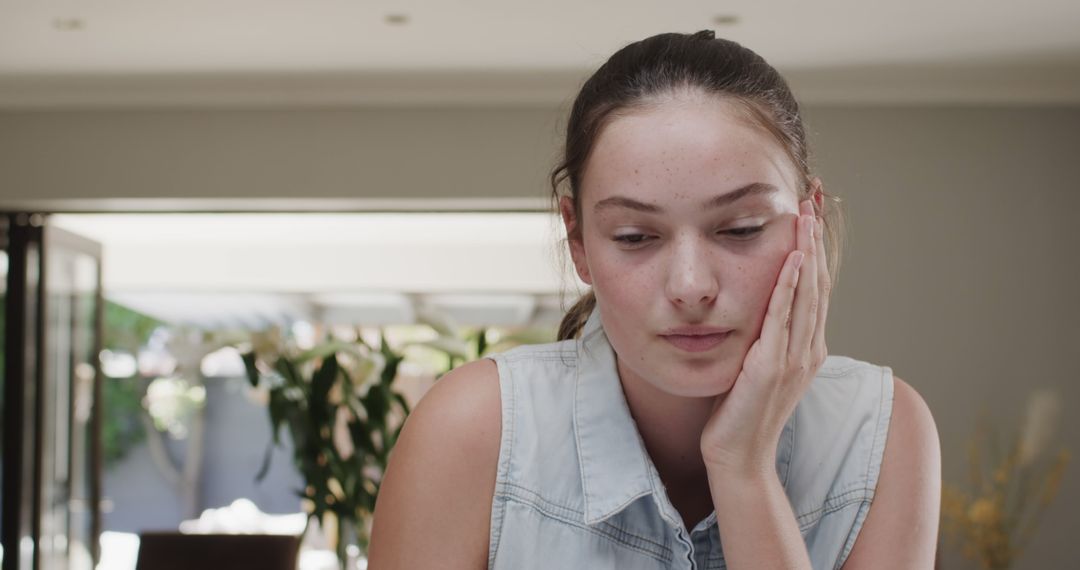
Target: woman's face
<point>673,197</point>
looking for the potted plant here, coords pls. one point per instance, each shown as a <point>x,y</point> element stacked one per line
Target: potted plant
<point>338,403</point>
<point>992,517</point>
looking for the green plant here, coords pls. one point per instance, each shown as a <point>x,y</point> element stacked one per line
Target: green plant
<point>126,330</point>
<point>338,404</point>
<point>121,428</point>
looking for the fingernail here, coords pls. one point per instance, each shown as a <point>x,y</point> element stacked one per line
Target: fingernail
<point>798,258</point>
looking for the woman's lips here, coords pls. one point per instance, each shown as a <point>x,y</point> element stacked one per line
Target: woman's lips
<point>696,343</point>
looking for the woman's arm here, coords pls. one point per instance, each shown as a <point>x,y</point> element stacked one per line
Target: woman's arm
<point>901,529</point>
<point>759,529</point>
<point>434,504</point>
<point>757,526</point>
<point>756,523</point>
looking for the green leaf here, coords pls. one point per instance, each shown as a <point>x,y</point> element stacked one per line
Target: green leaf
<point>438,320</point>
<point>455,347</point>
<point>330,347</point>
<point>384,347</point>
<point>392,440</point>
<point>390,371</point>
<point>362,438</point>
<point>323,379</point>
<point>401,400</point>
<point>481,341</point>
<point>288,371</point>
<point>249,366</point>
<point>265,467</point>
<point>278,407</point>
<point>377,405</point>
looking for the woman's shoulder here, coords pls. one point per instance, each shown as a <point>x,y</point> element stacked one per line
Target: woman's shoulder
<point>440,481</point>
<point>846,392</point>
<point>563,351</point>
<point>836,365</point>
<point>830,452</point>
<point>538,376</point>
<point>902,522</point>
<point>462,409</point>
<point>862,436</point>
<point>873,385</point>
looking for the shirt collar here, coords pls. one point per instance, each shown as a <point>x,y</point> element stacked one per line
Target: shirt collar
<point>615,468</point>
<point>614,464</point>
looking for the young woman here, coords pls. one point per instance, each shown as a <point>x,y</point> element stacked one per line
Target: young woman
<point>689,416</point>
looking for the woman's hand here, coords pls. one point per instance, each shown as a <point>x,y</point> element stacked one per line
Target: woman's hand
<point>741,436</point>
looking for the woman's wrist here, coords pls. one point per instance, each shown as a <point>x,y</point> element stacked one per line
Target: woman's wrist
<point>735,489</point>
<point>738,468</point>
<point>747,477</point>
<point>755,520</point>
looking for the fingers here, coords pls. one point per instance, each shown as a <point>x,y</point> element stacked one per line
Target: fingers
<point>805,306</point>
<point>818,347</point>
<point>775,329</point>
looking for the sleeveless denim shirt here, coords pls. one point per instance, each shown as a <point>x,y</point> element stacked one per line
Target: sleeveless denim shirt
<point>577,489</point>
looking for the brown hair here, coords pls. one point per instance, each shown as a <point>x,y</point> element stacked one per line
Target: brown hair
<point>666,64</point>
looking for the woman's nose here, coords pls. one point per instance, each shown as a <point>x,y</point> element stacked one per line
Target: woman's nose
<point>690,279</point>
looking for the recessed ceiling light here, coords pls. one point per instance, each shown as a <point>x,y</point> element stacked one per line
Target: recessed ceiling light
<point>68,24</point>
<point>725,19</point>
<point>397,19</point>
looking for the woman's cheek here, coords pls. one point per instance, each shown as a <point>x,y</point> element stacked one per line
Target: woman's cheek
<point>612,261</point>
<point>624,284</point>
<point>762,279</point>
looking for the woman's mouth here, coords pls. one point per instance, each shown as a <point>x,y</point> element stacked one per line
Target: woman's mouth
<point>696,343</point>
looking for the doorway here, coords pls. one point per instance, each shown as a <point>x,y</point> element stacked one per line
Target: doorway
<point>52,334</point>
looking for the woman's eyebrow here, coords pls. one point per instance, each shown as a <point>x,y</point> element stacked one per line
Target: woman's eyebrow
<point>720,201</point>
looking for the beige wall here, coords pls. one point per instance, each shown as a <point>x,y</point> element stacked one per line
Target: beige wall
<point>207,157</point>
<point>963,267</point>
<point>961,271</point>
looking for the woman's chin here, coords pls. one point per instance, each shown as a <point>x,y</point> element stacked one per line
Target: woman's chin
<point>709,386</point>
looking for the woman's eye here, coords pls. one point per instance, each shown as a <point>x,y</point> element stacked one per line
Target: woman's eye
<point>741,234</point>
<point>744,233</point>
<point>630,239</point>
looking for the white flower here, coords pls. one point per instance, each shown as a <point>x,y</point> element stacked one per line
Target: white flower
<point>448,344</point>
<point>293,394</point>
<point>170,401</point>
<point>367,372</point>
<point>438,320</point>
<point>267,344</point>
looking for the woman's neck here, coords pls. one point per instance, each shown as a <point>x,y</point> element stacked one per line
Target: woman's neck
<point>671,428</point>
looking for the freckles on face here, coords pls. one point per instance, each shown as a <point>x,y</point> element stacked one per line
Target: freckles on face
<point>656,175</point>
<point>760,281</point>
<point>669,162</point>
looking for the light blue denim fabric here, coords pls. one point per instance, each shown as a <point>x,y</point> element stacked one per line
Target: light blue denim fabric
<point>577,489</point>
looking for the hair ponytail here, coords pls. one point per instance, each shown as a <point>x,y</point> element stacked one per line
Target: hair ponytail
<point>575,318</point>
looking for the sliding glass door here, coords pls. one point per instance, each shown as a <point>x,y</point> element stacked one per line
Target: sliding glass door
<point>52,339</point>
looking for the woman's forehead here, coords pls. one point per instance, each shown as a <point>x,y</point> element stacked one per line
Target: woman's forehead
<point>684,150</point>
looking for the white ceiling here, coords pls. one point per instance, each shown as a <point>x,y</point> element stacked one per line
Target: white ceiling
<point>251,52</point>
